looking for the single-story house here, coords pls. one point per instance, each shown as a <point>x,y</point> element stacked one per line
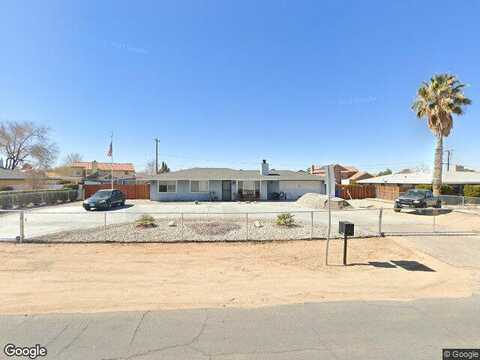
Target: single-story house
<point>417,178</point>
<point>85,169</point>
<point>389,186</point>
<point>361,175</point>
<point>223,184</point>
<point>12,178</point>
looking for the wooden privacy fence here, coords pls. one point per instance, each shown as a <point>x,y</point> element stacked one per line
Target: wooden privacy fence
<point>390,191</point>
<point>348,192</point>
<point>131,191</point>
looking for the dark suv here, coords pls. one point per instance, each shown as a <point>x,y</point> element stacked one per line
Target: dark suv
<point>104,199</point>
<point>417,199</point>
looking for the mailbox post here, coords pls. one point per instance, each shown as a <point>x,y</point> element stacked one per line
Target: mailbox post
<point>347,229</point>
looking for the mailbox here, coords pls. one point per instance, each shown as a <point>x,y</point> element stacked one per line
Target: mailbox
<point>346,228</point>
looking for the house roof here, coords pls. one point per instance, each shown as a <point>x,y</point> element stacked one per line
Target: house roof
<point>232,174</point>
<point>449,177</point>
<point>88,165</point>
<point>11,175</point>
<point>360,175</point>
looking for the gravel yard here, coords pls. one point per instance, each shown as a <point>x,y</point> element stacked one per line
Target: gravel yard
<point>198,229</point>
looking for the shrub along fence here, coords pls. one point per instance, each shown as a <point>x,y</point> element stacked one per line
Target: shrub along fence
<point>23,199</point>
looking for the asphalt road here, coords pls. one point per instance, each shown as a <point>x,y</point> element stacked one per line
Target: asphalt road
<point>338,330</point>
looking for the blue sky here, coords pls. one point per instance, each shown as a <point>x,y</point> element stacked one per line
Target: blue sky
<point>228,83</point>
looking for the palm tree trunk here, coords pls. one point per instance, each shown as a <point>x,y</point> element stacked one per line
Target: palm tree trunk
<point>437,173</point>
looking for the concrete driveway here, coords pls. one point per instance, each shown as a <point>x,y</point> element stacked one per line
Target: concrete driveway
<point>54,219</point>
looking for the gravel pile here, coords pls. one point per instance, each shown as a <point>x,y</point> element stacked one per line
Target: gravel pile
<point>319,201</point>
<point>193,230</point>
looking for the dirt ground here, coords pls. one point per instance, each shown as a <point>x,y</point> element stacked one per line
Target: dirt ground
<point>39,278</point>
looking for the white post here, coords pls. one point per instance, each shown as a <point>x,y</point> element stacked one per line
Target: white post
<point>246,224</point>
<point>311,225</point>
<point>380,216</point>
<point>183,235</point>
<point>105,224</point>
<point>463,201</point>
<point>22,226</point>
<point>330,183</point>
<point>111,158</point>
<point>434,220</point>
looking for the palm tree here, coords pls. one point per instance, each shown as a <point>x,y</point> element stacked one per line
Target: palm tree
<point>437,101</point>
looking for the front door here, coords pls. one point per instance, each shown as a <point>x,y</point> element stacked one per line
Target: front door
<point>226,190</point>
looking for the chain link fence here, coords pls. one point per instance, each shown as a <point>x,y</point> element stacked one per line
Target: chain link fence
<point>125,226</point>
<point>460,201</point>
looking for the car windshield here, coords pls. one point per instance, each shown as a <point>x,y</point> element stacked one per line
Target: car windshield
<point>415,193</point>
<point>102,194</point>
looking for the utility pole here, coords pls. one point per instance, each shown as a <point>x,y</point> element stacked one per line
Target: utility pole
<point>156,154</point>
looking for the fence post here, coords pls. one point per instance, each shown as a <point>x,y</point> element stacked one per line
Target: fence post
<point>380,217</point>
<point>246,224</point>
<point>463,201</point>
<point>105,224</point>
<point>434,221</point>
<point>311,225</point>
<point>183,235</point>
<point>22,226</point>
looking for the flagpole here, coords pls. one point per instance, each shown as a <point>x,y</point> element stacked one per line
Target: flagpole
<point>111,157</point>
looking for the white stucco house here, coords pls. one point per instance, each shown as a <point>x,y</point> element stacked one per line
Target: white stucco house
<point>223,184</point>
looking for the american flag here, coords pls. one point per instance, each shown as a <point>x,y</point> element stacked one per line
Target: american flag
<point>110,150</point>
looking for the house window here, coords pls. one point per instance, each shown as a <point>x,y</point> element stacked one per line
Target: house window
<point>198,186</point>
<point>249,185</point>
<point>167,186</point>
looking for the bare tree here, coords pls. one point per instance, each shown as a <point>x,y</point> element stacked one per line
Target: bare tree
<point>25,142</point>
<point>72,158</point>
<point>150,168</point>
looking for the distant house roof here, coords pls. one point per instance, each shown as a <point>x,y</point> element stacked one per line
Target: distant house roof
<point>104,166</point>
<point>360,176</point>
<point>232,174</point>
<point>11,175</point>
<point>449,177</point>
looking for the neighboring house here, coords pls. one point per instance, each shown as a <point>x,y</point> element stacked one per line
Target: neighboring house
<point>12,178</point>
<point>361,175</point>
<point>223,184</point>
<point>388,186</point>
<point>345,175</point>
<point>99,172</point>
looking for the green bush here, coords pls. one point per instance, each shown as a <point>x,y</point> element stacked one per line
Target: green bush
<point>145,221</point>
<point>424,187</point>
<point>444,190</point>
<point>6,188</point>
<point>71,186</point>
<point>471,190</point>
<point>447,190</point>
<point>285,219</point>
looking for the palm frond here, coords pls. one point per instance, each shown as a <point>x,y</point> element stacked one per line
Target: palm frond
<point>438,99</point>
